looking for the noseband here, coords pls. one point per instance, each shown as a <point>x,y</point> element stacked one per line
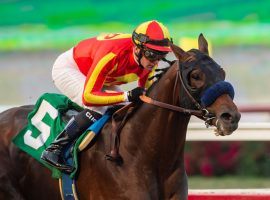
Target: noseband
<point>208,97</point>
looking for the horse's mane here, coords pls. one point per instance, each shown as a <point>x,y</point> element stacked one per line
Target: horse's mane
<point>158,76</point>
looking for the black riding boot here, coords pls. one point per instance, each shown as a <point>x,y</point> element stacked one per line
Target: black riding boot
<point>53,155</point>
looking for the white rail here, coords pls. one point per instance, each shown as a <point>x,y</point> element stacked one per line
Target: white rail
<point>257,131</point>
<point>230,194</point>
<point>230,191</point>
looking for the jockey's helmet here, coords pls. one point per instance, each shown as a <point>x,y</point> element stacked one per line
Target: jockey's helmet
<point>152,35</point>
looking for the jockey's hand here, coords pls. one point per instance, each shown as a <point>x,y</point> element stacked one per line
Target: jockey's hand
<point>133,95</point>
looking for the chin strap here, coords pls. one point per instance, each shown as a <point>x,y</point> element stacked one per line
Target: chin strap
<point>139,57</point>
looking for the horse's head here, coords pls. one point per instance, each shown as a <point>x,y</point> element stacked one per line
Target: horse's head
<point>203,82</point>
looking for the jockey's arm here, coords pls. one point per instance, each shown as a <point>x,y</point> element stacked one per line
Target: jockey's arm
<point>93,94</point>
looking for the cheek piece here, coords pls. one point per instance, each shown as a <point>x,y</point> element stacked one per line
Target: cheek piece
<point>216,90</point>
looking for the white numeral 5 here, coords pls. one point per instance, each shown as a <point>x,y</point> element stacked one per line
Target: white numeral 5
<point>44,129</point>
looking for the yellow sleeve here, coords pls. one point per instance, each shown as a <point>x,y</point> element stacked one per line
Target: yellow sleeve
<point>93,94</point>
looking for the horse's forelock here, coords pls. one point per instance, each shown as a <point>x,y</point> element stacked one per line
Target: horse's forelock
<point>202,60</point>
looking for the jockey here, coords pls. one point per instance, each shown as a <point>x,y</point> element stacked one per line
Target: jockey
<point>90,74</point>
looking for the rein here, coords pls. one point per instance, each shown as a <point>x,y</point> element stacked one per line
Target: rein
<point>160,104</point>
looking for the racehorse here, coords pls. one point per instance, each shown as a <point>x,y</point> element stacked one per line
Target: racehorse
<point>152,139</point>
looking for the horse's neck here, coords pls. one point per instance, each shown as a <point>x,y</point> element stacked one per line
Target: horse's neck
<point>157,132</point>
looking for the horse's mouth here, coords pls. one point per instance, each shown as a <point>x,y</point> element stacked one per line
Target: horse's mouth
<point>223,129</point>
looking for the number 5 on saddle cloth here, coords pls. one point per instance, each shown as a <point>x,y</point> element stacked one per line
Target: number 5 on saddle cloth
<point>45,122</point>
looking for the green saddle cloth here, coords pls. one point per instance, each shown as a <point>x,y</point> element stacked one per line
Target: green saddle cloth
<point>44,124</point>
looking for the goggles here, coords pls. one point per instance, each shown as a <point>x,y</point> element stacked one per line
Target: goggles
<point>153,56</point>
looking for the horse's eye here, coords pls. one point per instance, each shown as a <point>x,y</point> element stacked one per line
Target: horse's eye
<point>195,76</point>
<point>196,79</point>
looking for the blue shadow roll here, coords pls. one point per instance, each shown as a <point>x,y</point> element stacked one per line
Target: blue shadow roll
<point>216,90</point>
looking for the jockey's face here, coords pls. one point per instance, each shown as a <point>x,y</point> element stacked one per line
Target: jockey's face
<point>149,60</point>
<point>147,64</point>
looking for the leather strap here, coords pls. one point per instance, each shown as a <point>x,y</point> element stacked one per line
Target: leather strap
<point>160,104</point>
<point>119,119</point>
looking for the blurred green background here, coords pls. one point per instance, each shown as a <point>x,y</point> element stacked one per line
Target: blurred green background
<point>34,33</point>
<point>28,25</point>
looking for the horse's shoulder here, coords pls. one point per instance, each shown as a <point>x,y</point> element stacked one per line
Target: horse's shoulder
<point>17,112</point>
<point>13,120</point>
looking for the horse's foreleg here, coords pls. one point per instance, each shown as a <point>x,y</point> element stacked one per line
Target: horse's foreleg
<point>176,186</point>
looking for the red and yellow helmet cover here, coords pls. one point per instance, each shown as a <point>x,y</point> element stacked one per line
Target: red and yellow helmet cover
<point>153,35</point>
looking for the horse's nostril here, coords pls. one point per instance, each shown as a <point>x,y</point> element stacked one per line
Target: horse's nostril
<point>226,117</point>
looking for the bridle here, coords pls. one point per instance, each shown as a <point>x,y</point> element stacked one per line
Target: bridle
<point>200,112</point>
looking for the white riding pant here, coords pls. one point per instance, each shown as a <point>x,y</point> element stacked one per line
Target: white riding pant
<point>70,80</point>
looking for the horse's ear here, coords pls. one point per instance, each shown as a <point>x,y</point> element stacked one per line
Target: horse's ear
<point>178,52</point>
<point>203,45</point>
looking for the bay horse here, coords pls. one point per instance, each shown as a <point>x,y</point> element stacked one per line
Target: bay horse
<point>152,140</point>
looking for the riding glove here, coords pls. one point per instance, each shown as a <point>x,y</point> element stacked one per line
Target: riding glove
<point>133,95</point>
